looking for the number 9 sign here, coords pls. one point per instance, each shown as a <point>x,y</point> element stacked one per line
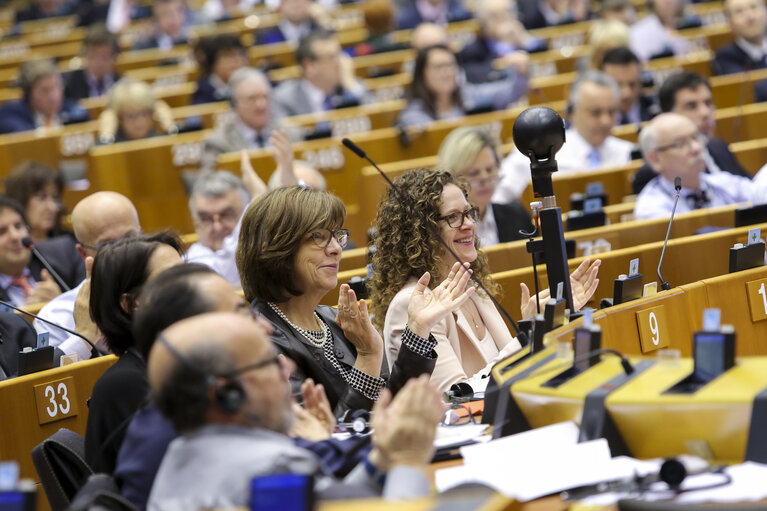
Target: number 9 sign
<point>653,332</point>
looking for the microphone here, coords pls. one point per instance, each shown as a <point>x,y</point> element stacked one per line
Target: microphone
<point>19,309</point>
<point>28,243</point>
<point>678,186</point>
<point>521,336</point>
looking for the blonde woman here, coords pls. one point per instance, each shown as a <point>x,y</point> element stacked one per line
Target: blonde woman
<point>472,155</point>
<point>134,113</point>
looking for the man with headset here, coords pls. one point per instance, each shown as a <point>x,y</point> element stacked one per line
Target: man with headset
<point>218,379</point>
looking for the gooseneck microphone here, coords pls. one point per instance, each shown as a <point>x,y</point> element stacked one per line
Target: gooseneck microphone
<point>678,186</point>
<point>28,243</point>
<point>521,336</point>
<point>94,349</point>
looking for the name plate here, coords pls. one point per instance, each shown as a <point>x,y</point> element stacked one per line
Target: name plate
<point>756,291</point>
<point>56,400</point>
<point>653,328</point>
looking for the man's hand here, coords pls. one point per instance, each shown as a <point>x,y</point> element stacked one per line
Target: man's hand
<point>583,282</point>
<point>83,323</point>
<point>282,151</point>
<point>519,61</point>
<point>404,427</point>
<point>253,184</point>
<point>45,290</point>
<point>307,426</point>
<point>317,404</point>
<point>427,308</point>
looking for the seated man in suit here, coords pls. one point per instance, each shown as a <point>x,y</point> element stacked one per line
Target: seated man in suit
<point>170,26</point>
<point>674,147</point>
<point>624,66</point>
<point>593,105</point>
<point>550,13</point>
<point>43,103</point>
<point>299,19</point>
<point>225,443</point>
<point>689,94</point>
<point>440,12</point>
<point>96,77</point>
<point>501,35</point>
<point>327,80</point>
<point>253,121</point>
<point>43,9</point>
<point>22,278</point>
<point>748,22</point>
<point>225,55</point>
<point>98,219</point>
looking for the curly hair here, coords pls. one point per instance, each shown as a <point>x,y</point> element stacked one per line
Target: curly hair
<point>405,248</point>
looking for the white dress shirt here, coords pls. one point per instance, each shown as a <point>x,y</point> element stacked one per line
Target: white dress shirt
<point>648,37</point>
<point>222,261</point>
<point>753,51</point>
<point>487,229</point>
<point>574,155</point>
<point>657,198</point>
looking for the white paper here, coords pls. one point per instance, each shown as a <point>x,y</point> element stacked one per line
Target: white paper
<point>528,444</point>
<point>455,435</point>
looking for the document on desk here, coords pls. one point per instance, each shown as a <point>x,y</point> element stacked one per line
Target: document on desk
<point>533,464</point>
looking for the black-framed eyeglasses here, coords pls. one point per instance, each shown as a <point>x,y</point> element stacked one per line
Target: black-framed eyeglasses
<point>684,143</point>
<point>322,237</point>
<point>227,216</point>
<point>252,367</point>
<point>456,220</point>
<point>97,248</point>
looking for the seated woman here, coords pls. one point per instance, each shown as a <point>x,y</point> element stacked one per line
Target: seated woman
<point>474,336</point>
<point>224,54</point>
<point>472,154</point>
<point>435,92</point>
<point>119,272</point>
<point>134,113</point>
<point>288,255</point>
<point>38,189</point>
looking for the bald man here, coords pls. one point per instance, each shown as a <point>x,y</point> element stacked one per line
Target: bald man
<point>673,146</point>
<point>98,220</point>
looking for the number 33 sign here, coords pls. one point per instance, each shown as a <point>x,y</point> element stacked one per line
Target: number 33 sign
<point>56,400</point>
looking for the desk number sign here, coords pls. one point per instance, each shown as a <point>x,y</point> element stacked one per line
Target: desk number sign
<point>756,291</point>
<point>653,328</point>
<point>56,400</point>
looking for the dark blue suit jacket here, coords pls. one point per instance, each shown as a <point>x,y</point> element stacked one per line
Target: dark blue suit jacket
<point>275,35</point>
<point>18,116</point>
<point>16,333</point>
<point>206,93</point>
<point>732,59</point>
<point>409,17</point>
<point>476,58</point>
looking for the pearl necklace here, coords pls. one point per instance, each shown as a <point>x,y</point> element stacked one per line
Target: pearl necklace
<point>315,338</point>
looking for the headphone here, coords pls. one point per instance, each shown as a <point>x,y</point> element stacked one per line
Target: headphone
<point>229,396</point>
<point>356,422</point>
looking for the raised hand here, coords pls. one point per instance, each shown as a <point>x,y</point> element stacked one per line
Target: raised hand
<point>254,184</point>
<point>354,320</point>
<point>307,426</point>
<point>427,308</point>
<point>45,290</point>
<point>316,403</point>
<point>583,282</point>
<point>282,151</point>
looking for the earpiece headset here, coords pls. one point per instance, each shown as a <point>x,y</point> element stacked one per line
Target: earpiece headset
<point>229,396</point>
<point>356,422</point>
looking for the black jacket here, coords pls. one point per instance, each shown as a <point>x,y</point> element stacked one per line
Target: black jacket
<point>719,151</point>
<point>509,219</point>
<point>76,85</point>
<point>476,59</point>
<point>732,59</point>
<point>16,333</point>
<point>311,363</point>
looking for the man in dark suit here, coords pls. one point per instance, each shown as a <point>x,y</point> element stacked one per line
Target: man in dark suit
<point>15,334</point>
<point>170,26</point>
<point>20,282</point>
<point>99,52</point>
<point>440,12</point>
<point>689,94</point>
<point>548,13</point>
<point>623,65</point>
<point>747,51</point>
<point>43,103</point>
<point>298,21</point>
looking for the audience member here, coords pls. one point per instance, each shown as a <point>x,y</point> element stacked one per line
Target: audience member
<point>440,12</point>
<point>22,278</point>
<point>473,336</point>
<point>133,113</point>
<point>689,94</point>
<point>231,442</point>
<point>549,13</point>
<point>593,105</point>
<point>43,103</point>
<point>748,22</point>
<point>223,10</point>
<point>253,122</point>
<point>500,35</point>
<point>379,17</point>
<point>17,334</point>
<point>170,26</point>
<point>428,34</point>
<point>42,9</point>
<point>603,36</point>
<point>98,220</point>
<point>226,55</point>
<point>99,53</point>
<point>327,79</point>
<point>435,93</point>
<point>656,34</point>
<point>288,254</point>
<point>624,67</point>
<point>298,20</point>
<point>673,146</point>
<point>619,10</point>
<point>473,156</point>
<point>120,269</point>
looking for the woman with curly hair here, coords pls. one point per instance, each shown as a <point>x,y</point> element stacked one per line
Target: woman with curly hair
<point>474,336</point>
<point>288,254</point>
